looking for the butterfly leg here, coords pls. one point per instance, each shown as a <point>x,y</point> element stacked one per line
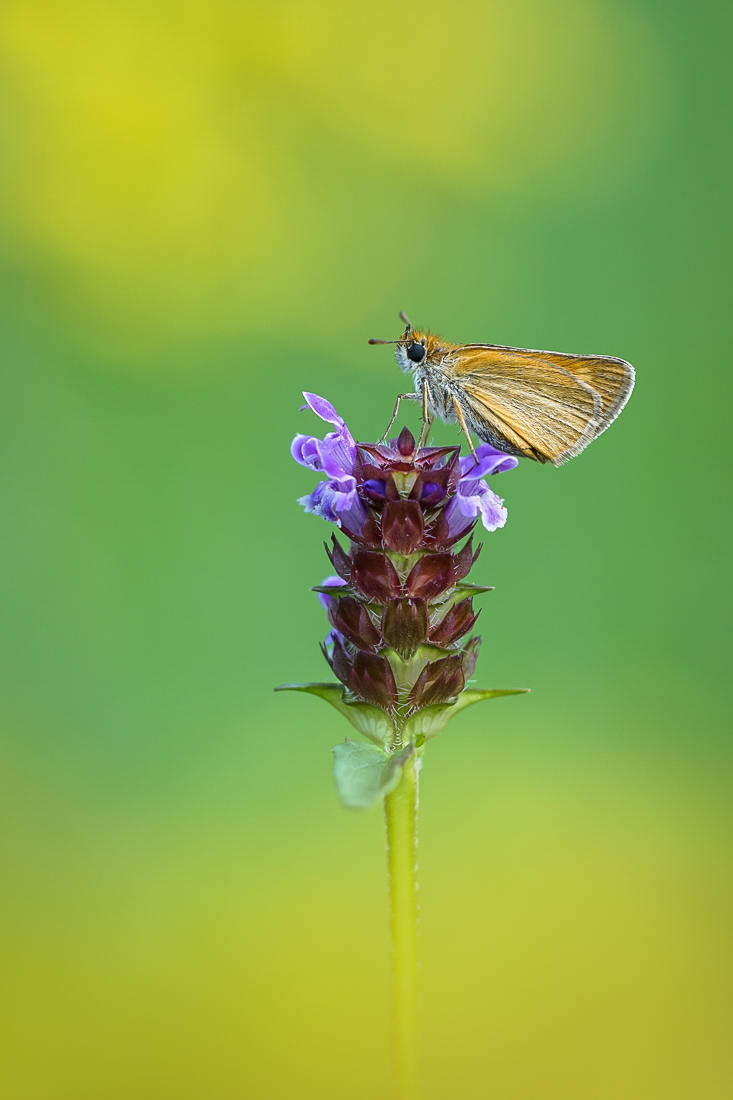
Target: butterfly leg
<point>400,397</point>
<point>427,420</point>
<point>462,422</point>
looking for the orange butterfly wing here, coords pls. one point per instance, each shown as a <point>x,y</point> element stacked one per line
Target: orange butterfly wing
<point>544,405</point>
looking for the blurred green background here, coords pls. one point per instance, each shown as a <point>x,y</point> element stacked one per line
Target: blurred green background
<point>208,207</point>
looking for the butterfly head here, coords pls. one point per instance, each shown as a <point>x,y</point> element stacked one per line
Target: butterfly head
<point>418,349</point>
<point>414,348</point>
<point>411,352</point>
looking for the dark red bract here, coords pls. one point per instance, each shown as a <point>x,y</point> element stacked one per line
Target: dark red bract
<point>399,619</point>
<point>398,605</point>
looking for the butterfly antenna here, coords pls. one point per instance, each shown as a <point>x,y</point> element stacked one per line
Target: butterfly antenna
<point>408,330</point>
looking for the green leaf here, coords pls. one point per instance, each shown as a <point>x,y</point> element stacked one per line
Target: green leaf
<point>428,722</point>
<point>364,774</point>
<point>372,722</point>
<point>431,720</point>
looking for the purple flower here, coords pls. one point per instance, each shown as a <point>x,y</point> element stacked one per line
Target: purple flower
<point>347,495</point>
<point>473,496</point>
<point>331,499</point>
<point>490,461</point>
<point>333,455</point>
<point>336,453</point>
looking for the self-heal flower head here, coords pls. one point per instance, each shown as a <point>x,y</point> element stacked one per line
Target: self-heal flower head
<point>344,498</point>
<point>399,607</point>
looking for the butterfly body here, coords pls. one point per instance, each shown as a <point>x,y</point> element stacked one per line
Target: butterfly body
<point>543,405</point>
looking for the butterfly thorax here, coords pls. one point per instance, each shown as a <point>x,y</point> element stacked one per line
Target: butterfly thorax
<point>434,365</point>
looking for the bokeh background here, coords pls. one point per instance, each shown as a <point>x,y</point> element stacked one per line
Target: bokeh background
<point>207,207</point>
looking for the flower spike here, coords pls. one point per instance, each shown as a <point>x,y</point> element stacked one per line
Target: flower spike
<point>399,606</point>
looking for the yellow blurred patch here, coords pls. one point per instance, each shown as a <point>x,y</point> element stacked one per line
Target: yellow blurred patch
<point>205,168</point>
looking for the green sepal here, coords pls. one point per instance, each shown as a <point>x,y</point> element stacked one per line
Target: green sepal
<point>465,590</point>
<point>431,720</point>
<point>372,722</point>
<point>457,594</point>
<point>364,774</point>
<point>407,671</point>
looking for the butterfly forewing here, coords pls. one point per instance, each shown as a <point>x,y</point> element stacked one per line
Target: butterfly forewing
<point>545,405</point>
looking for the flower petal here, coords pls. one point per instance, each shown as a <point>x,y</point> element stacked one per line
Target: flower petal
<point>319,502</point>
<point>490,461</point>
<point>331,499</point>
<point>491,507</point>
<point>336,453</point>
<point>324,409</point>
<point>305,450</point>
<point>461,510</point>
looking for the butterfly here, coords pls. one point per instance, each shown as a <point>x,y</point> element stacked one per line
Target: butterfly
<point>543,405</point>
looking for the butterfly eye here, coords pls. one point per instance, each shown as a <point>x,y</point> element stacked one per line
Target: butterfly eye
<point>416,352</point>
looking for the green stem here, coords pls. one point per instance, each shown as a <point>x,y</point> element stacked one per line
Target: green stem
<point>401,812</point>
